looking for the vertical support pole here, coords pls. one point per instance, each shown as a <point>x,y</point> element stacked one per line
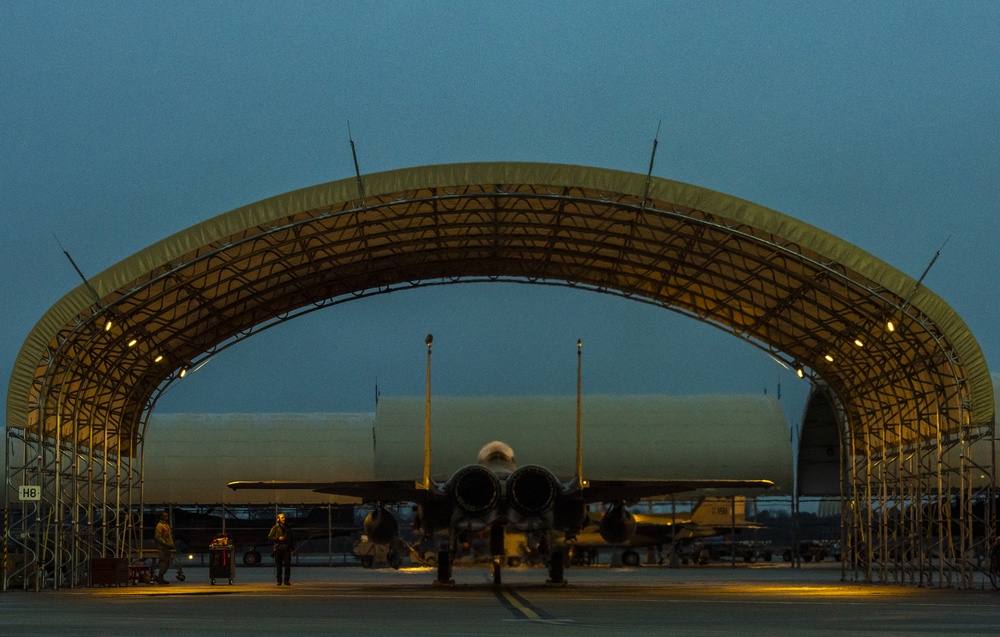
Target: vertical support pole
<point>579,412</point>
<point>109,516</point>
<point>990,524</point>
<point>39,516</point>
<point>56,529</point>
<point>868,523</point>
<point>796,544</point>
<point>427,418</point>
<point>76,535</point>
<point>141,474</point>
<point>6,530</point>
<point>935,452</point>
<point>795,439</point>
<point>6,506</point>
<point>848,554</point>
<point>732,530</point>
<point>966,556</point>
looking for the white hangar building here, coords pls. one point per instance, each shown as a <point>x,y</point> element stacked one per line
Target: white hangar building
<point>189,458</point>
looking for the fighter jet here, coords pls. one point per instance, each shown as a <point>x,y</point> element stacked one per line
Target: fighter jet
<point>495,494</point>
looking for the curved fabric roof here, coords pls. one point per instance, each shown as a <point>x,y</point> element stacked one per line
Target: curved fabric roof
<point>786,286</point>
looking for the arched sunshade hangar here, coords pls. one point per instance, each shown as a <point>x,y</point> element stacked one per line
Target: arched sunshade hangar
<point>90,370</point>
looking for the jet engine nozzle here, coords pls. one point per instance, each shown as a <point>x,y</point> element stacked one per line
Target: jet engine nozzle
<point>532,490</point>
<point>474,489</point>
<point>380,526</point>
<point>618,525</point>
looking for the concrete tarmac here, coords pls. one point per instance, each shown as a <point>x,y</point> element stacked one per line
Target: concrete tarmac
<point>599,601</point>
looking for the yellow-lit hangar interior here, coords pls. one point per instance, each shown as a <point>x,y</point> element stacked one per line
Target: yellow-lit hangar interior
<point>900,376</point>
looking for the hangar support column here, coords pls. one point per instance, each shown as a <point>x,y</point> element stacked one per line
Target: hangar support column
<point>87,484</point>
<point>918,509</point>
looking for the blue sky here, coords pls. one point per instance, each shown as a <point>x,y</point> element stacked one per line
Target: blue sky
<point>122,123</point>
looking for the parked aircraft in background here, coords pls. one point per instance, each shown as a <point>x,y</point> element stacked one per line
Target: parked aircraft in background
<point>194,531</point>
<point>711,516</point>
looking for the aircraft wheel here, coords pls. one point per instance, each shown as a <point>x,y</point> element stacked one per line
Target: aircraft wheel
<point>630,558</point>
<point>251,558</point>
<point>556,568</point>
<point>367,561</point>
<point>444,569</point>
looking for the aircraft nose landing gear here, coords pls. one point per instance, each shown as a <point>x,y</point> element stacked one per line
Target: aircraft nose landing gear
<point>556,569</point>
<point>444,569</point>
<point>497,552</point>
<point>496,568</point>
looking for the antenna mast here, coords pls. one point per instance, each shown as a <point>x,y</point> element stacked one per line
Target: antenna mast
<point>649,173</point>
<point>357,169</point>
<point>97,298</point>
<point>916,286</point>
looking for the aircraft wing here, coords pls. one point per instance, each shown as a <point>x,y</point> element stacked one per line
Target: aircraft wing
<point>654,520</point>
<point>367,490</point>
<point>649,521</point>
<point>629,490</point>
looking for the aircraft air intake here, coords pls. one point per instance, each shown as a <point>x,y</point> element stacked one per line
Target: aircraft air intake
<point>475,490</point>
<point>532,490</point>
<point>617,525</point>
<point>380,526</point>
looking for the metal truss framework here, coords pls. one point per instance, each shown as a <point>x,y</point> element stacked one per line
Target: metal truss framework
<point>928,512</point>
<point>906,396</point>
<point>922,512</point>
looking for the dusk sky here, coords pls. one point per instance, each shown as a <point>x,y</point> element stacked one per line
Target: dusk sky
<point>122,123</point>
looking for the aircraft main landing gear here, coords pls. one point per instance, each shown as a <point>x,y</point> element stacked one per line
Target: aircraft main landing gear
<point>444,569</point>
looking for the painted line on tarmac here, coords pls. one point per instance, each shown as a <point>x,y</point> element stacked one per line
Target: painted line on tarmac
<point>523,610</point>
<point>520,607</point>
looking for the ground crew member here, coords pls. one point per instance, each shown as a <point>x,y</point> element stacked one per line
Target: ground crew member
<point>164,539</point>
<point>281,535</point>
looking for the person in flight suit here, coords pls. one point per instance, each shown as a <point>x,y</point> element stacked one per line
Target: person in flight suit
<point>164,539</point>
<point>281,536</point>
